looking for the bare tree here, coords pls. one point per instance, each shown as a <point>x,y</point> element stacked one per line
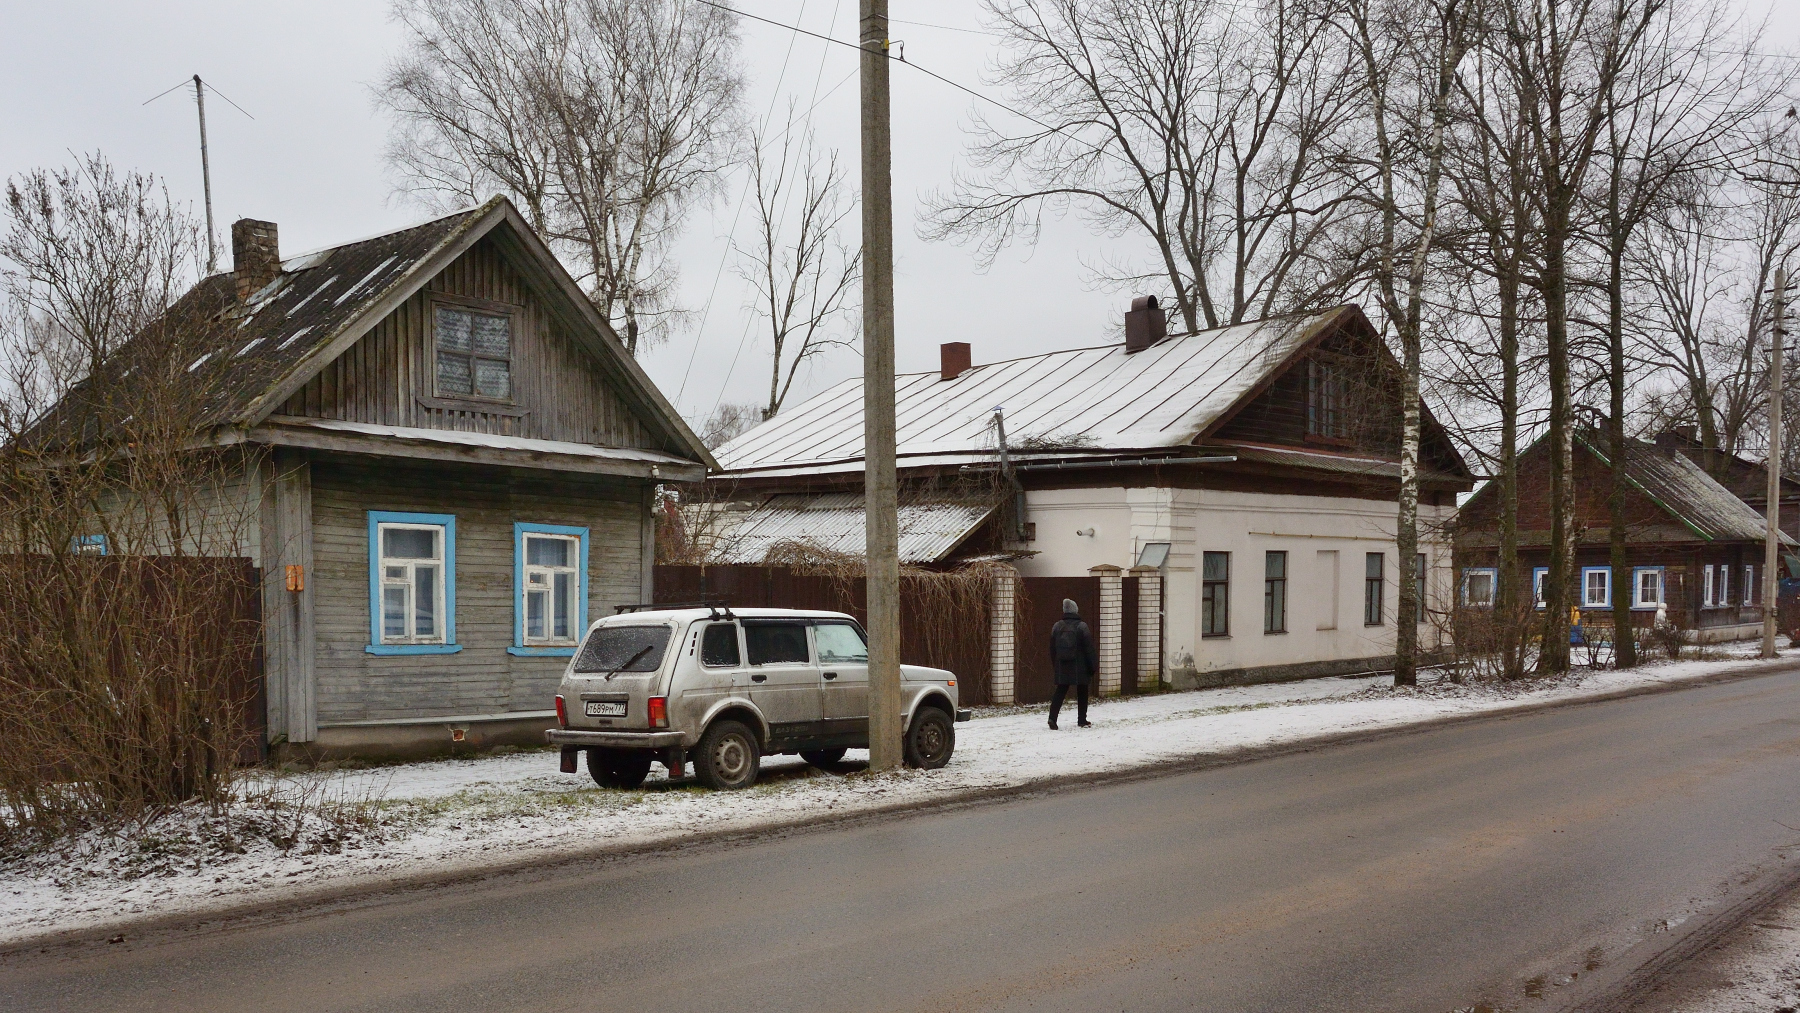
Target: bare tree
<point>609,120</point>
<point>802,271</point>
<point>1201,126</point>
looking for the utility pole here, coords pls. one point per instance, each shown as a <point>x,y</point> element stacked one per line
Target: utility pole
<point>212,253</point>
<point>880,494</point>
<point>1772,536</point>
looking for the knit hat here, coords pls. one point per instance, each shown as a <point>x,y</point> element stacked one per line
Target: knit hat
<point>1070,608</point>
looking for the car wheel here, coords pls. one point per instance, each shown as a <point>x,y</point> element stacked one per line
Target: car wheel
<point>824,759</point>
<point>612,768</point>
<point>728,757</point>
<point>930,740</point>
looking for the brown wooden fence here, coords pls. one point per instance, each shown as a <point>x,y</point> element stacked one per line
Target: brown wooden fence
<point>939,627</point>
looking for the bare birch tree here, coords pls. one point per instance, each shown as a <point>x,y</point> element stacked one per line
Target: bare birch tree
<point>608,120</point>
<point>802,272</point>
<point>1199,126</point>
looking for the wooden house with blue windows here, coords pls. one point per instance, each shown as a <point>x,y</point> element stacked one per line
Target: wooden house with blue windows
<point>1695,547</point>
<point>455,465</point>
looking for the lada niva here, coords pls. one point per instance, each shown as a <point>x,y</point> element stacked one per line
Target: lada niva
<point>725,688</point>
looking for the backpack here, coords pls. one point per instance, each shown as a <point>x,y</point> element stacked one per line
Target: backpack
<point>1066,641</point>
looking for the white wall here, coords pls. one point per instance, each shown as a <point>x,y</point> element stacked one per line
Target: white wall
<point>1325,603</point>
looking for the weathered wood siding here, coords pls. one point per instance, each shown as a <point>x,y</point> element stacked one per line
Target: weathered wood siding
<point>559,393</point>
<point>353,685</point>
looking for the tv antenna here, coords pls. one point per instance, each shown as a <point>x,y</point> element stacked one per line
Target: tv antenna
<point>212,253</point>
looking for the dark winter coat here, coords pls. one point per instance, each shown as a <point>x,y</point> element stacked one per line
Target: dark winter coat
<point>1079,642</point>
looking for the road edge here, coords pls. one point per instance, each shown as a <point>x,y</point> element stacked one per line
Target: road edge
<point>376,888</point>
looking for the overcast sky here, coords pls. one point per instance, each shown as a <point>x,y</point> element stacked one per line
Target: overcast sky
<point>75,75</point>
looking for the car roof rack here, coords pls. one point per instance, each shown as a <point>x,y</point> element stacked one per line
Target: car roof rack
<point>720,608</point>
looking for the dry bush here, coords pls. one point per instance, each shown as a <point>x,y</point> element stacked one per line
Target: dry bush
<point>125,678</point>
<point>1489,644</point>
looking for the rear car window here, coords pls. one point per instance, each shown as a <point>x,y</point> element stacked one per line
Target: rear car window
<point>719,646</point>
<point>840,643</point>
<point>776,643</point>
<point>624,649</point>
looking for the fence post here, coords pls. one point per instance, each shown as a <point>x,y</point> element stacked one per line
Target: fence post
<point>1149,626</point>
<point>1000,636</point>
<point>1110,631</point>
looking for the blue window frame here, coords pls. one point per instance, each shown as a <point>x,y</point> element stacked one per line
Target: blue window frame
<point>550,589</point>
<point>1647,587</point>
<point>88,545</point>
<point>412,583</point>
<point>1596,587</point>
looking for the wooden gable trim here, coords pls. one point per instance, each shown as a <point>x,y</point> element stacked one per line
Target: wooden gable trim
<point>564,300</point>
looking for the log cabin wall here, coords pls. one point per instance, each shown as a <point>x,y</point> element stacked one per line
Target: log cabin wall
<point>559,392</point>
<point>354,685</point>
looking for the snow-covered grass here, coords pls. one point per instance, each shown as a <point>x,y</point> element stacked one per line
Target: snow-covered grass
<point>317,832</point>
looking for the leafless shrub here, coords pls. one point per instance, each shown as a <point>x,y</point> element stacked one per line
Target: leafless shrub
<point>127,630</point>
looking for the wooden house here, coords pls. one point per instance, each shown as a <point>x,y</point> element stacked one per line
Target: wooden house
<point>1255,467</point>
<point>456,466</point>
<point>1696,549</point>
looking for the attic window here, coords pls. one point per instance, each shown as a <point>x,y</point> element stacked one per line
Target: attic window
<point>474,354</point>
<point>1327,390</point>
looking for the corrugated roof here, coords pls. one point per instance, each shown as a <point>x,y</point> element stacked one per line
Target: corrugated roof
<point>834,522</point>
<point>1091,398</point>
<point>1685,490</point>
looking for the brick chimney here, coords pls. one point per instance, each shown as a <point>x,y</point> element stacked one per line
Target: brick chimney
<point>1145,324</point>
<point>255,255</point>
<point>954,359</point>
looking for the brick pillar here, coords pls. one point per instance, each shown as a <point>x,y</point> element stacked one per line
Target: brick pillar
<point>1149,627</point>
<point>1109,628</point>
<point>1001,637</point>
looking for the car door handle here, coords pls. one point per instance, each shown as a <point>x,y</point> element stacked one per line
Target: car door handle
<point>759,678</point>
<point>830,675</point>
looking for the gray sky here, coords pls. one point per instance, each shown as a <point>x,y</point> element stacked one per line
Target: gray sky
<point>75,75</point>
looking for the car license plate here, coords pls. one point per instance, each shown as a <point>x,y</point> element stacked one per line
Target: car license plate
<point>606,708</point>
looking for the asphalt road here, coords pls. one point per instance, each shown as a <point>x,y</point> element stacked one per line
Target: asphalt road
<point>1480,863</point>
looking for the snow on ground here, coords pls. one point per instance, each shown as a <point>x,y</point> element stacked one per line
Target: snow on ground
<point>313,833</point>
<point>1759,968</point>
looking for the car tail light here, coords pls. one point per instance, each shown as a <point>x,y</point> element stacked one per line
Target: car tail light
<point>562,713</point>
<point>659,712</point>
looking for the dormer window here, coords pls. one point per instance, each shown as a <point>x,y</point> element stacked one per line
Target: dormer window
<point>1327,390</point>
<point>474,353</point>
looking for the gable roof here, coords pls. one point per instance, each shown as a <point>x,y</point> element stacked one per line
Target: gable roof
<point>1683,489</point>
<point>1748,480</point>
<point>930,529</point>
<point>1083,401</point>
<point>323,302</point>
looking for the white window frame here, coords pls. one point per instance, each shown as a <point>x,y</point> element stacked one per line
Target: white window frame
<point>1707,596</point>
<point>1637,587</point>
<point>1724,597</point>
<point>1538,575</point>
<point>524,586</point>
<point>1493,576</point>
<point>1752,587</point>
<point>444,641</point>
<point>1587,600</point>
<point>409,581</point>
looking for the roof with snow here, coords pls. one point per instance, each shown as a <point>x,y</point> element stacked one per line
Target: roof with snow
<point>1686,491</point>
<point>242,359</point>
<point>930,530</point>
<point>1083,401</point>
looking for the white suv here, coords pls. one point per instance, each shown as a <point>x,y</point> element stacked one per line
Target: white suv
<point>726,688</point>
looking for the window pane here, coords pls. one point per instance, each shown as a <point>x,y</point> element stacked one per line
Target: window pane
<point>425,582</point>
<point>776,643</point>
<point>393,612</point>
<point>615,647</point>
<point>1372,564</point>
<point>1275,565</point>
<point>1217,566</point>
<point>453,374</point>
<point>540,551</point>
<point>563,618</point>
<point>409,543</point>
<point>493,335</point>
<point>493,379</point>
<point>534,614</point>
<point>1481,588</point>
<point>720,645</point>
<point>454,329</point>
<point>840,643</point>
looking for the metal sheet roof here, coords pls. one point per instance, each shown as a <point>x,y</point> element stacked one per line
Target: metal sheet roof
<point>1090,398</point>
<point>1685,490</point>
<point>834,522</point>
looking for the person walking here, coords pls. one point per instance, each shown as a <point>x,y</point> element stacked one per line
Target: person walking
<point>1074,660</point>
